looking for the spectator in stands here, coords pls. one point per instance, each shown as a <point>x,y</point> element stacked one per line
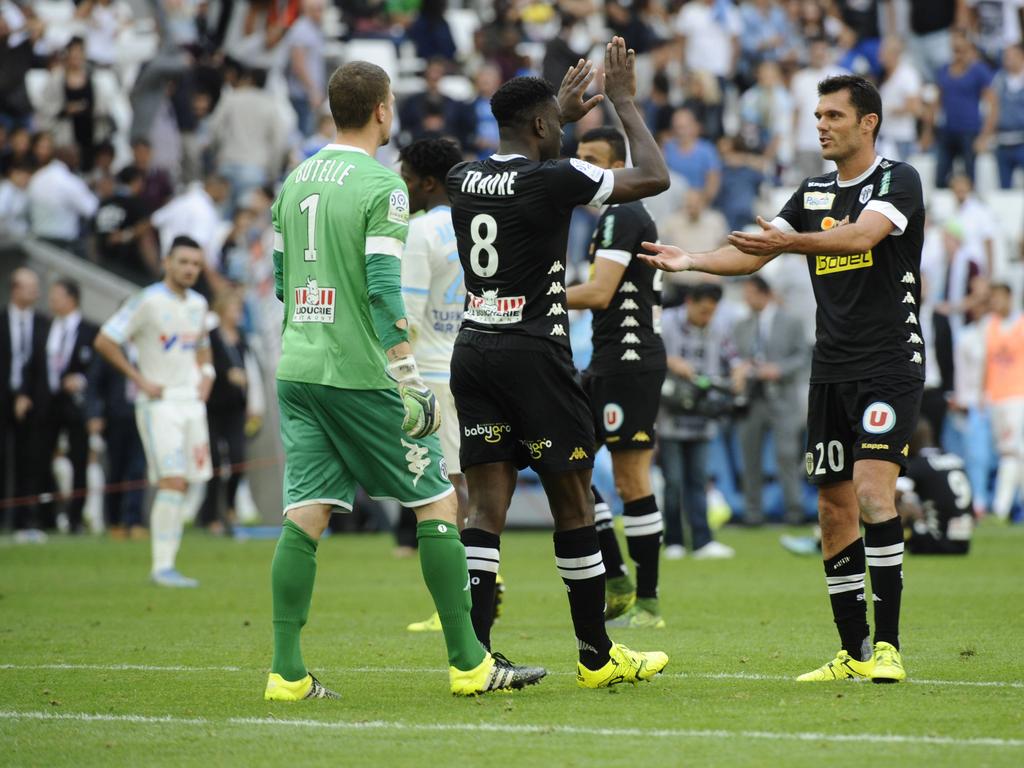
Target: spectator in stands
<point>996,24</point>
<point>498,40</point>
<point>430,33</point>
<point>858,55</point>
<point>694,348</point>
<point>977,221</point>
<point>931,24</point>
<point>693,158</point>
<point>804,86</point>
<point>104,20</point>
<point>102,166</point>
<point>450,117</point>
<point>195,213</point>
<point>69,355</point>
<point>18,149</point>
<point>767,107</point>
<point>963,85</point>
<point>767,36</point>
<point>324,135</point>
<point>710,33</point>
<point>658,107</point>
<point>255,31</point>
<point>307,71</point>
<point>124,239</point>
<point>14,200</point>
<point>249,135</point>
<point>157,187</point>
<point>1007,115</point>
<point>773,351</point>
<point>1004,392</point>
<point>23,333</point>
<point>59,200</point>
<point>705,100</point>
<point>702,228</point>
<point>900,89</point>
<point>42,148</point>
<point>959,265</point>
<point>226,411</point>
<point>20,32</point>
<point>630,20</point>
<point>110,410</point>
<point>744,170</point>
<point>487,81</point>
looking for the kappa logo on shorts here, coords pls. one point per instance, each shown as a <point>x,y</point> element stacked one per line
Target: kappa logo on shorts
<point>578,454</point>
<point>314,304</point>
<point>641,437</point>
<point>536,447</point>
<point>491,433</point>
<point>416,456</point>
<point>879,418</point>
<point>613,416</point>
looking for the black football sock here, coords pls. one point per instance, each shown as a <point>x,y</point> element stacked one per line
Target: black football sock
<point>578,557</point>
<point>643,539</point>
<point>482,558</point>
<point>605,524</point>
<point>883,547</point>
<point>844,575</point>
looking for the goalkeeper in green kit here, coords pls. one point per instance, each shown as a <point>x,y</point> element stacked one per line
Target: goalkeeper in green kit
<point>354,410</point>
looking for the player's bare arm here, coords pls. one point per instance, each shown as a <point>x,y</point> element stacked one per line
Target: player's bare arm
<point>111,351</point>
<point>649,176</point>
<point>204,361</point>
<point>599,290</point>
<point>727,260</point>
<point>858,237</point>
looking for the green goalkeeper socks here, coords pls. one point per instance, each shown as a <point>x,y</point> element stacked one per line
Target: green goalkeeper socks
<point>291,577</point>
<point>443,560</point>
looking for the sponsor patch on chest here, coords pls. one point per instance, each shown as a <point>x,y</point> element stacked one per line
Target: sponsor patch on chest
<point>314,303</point>
<point>818,201</point>
<point>829,265</point>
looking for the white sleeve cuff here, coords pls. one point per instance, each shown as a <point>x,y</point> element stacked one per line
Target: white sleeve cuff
<point>619,257</point>
<point>891,212</point>
<point>780,223</point>
<point>604,191</point>
<point>279,242</point>
<point>389,246</point>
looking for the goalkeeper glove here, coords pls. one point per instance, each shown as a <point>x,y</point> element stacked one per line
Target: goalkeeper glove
<point>422,414</point>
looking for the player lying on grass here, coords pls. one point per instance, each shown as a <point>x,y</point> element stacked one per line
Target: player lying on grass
<point>354,407</point>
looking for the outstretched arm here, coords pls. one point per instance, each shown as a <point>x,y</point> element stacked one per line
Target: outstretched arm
<point>727,260</point>
<point>860,236</point>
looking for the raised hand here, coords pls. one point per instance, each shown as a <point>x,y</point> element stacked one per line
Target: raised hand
<point>667,258</point>
<point>573,89</point>
<point>619,71</point>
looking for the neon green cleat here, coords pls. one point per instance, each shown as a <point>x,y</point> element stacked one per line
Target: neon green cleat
<point>887,665</point>
<point>842,667</point>
<point>494,673</point>
<point>624,666</point>
<point>279,689</point>
<point>499,596</point>
<point>433,624</point>
<point>643,615</point>
<point>619,596</point>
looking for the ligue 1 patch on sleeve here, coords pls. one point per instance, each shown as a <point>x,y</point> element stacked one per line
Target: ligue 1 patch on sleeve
<point>587,169</point>
<point>398,208</point>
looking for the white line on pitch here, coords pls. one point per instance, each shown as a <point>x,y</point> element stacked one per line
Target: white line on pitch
<point>664,733</point>
<point>432,670</point>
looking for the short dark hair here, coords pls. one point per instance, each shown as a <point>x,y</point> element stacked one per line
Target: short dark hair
<point>129,174</point>
<point>760,284</point>
<point>863,95</point>
<point>183,241</point>
<point>354,91</point>
<point>703,291</point>
<point>71,288</point>
<point>609,136</point>
<point>519,100</point>
<point>432,158</point>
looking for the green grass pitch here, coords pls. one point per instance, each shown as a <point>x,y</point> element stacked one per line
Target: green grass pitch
<point>100,668</point>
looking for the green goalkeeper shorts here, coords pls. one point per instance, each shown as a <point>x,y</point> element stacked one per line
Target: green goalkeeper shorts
<point>337,439</point>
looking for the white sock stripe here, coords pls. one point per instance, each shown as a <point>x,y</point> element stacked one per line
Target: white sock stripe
<point>645,530</point>
<point>882,562</point>
<point>484,553</point>
<point>630,520</point>
<point>892,549</point>
<point>578,562</point>
<point>581,573</point>
<point>602,515</point>
<point>844,579</point>
<point>482,565</point>
<point>602,506</point>
<point>836,589</point>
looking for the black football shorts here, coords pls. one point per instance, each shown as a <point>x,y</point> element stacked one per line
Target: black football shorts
<point>519,400</point>
<point>625,408</point>
<point>852,420</point>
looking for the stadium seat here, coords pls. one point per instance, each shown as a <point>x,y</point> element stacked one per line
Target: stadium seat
<point>463,23</point>
<point>380,52</point>
<point>457,87</point>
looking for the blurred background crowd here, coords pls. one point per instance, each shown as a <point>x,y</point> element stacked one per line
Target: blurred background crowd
<point>124,123</point>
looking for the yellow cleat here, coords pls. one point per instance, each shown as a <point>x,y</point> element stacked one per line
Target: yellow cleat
<point>279,689</point>
<point>433,624</point>
<point>624,666</point>
<point>842,667</point>
<point>619,597</point>
<point>494,673</point>
<point>887,665</point>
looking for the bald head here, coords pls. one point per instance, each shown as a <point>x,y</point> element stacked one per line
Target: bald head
<point>24,288</point>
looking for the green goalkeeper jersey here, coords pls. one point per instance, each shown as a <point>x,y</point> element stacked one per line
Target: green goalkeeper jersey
<point>334,210</point>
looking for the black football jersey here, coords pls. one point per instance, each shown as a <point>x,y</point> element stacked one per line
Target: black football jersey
<point>944,490</point>
<point>511,218</point>
<point>627,335</point>
<point>868,303</point>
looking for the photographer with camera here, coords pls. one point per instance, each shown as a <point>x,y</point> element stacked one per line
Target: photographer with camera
<point>697,391</point>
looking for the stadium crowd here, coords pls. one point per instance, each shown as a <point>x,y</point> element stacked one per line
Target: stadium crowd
<point>124,124</point>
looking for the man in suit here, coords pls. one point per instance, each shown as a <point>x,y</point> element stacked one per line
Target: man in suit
<point>69,356</point>
<point>23,333</point>
<point>774,348</point>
